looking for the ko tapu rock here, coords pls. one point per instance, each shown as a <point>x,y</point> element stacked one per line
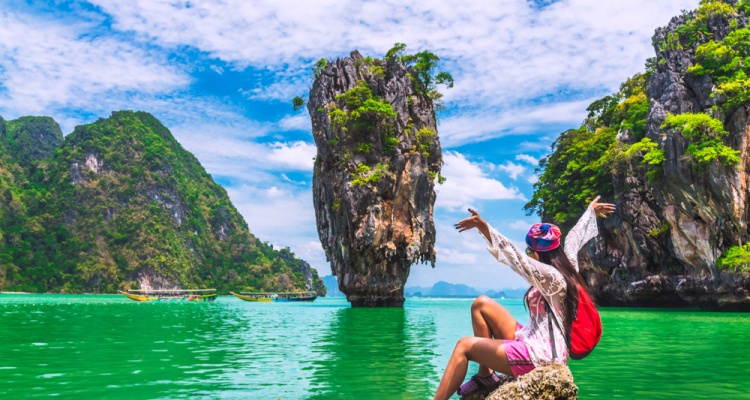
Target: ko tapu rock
<point>378,157</point>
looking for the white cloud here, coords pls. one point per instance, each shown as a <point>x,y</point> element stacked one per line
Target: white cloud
<point>297,155</point>
<point>467,183</point>
<point>502,53</point>
<point>299,122</point>
<point>288,179</point>
<point>217,69</point>
<point>482,125</point>
<point>512,169</point>
<point>542,143</point>
<point>284,216</point>
<point>527,159</point>
<point>521,225</point>
<point>451,256</point>
<point>283,89</point>
<point>48,65</point>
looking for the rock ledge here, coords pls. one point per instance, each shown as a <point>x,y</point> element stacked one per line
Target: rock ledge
<point>553,382</point>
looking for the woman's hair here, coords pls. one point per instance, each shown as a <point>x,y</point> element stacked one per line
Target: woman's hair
<point>573,278</point>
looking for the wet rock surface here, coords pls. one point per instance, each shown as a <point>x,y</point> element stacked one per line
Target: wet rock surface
<point>373,182</point>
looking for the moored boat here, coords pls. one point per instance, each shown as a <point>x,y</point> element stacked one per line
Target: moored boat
<point>201,295</point>
<point>257,297</point>
<point>268,297</point>
<point>296,296</point>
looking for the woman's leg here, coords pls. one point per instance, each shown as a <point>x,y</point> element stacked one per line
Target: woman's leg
<point>491,320</point>
<point>488,352</point>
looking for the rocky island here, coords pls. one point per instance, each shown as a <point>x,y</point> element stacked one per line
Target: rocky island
<point>377,162</point>
<point>120,204</point>
<point>671,150</point>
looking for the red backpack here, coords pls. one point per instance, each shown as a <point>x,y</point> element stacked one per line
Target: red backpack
<point>586,329</point>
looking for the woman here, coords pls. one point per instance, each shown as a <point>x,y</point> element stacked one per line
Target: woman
<point>499,342</point>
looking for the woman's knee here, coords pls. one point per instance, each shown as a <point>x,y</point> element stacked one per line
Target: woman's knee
<point>482,302</point>
<point>465,343</point>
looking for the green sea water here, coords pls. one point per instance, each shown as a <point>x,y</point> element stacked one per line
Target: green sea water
<point>106,346</point>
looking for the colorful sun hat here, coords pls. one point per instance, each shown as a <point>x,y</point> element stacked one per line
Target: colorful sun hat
<point>543,237</point>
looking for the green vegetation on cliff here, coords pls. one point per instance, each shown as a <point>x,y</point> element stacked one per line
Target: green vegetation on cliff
<point>30,139</point>
<point>706,133</point>
<point>121,202</point>
<point>363,122</point>
<point>735,259</point>
<point>582,161</point>
<point>586,161</point>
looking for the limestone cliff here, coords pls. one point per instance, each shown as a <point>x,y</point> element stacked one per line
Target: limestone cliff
<point>373,190</point>
<point>679,214</point>
<point>119,203</point>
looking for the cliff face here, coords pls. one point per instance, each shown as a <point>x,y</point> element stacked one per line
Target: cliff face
<point>661,247</point>
<point>119,203</point>
<point>373,190</point>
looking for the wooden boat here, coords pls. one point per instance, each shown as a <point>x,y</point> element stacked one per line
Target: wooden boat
<point>201,295</point>
<point>296,296</point>
<point>257,297</point>
<point>267,297</point>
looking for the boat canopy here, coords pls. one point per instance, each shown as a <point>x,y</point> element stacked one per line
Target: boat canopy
<point>173,290</point>
<point>276,293</point>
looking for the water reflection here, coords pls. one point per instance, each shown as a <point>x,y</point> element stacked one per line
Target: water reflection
<point>374,353</point>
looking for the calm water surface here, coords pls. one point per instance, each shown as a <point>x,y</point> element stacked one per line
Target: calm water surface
<point>106,346</point>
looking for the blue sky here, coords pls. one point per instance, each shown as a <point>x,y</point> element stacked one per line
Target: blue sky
<point>221,75</point>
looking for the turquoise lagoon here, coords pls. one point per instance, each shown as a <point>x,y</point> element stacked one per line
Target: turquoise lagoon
<point>106,346</point>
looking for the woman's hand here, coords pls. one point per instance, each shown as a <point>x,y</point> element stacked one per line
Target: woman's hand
<point>475,221</point>
<point>602,209</point>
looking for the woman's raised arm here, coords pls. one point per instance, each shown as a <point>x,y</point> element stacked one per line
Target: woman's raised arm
<point>585,229</point>
<point>544,277</point>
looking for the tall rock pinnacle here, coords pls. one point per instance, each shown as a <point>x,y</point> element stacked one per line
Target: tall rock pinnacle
<point>373,183</point>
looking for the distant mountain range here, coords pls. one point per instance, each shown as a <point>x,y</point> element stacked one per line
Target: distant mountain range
<point>439,289</point>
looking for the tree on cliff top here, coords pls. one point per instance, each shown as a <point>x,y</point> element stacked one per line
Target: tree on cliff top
<point>423,66</point>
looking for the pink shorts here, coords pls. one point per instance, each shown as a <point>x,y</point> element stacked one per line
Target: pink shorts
<point>518,356</point>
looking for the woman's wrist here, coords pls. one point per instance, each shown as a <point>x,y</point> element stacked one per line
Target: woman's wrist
<point>484,229</point>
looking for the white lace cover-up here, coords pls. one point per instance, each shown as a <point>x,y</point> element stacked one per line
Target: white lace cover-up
<point>547,281</point>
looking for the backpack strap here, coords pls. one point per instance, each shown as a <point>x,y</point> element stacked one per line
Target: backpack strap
<point>548,307</point>
<point>551,332</point>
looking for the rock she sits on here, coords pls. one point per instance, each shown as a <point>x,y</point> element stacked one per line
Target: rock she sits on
<point>553,382</point>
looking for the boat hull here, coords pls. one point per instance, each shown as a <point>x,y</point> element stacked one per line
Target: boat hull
<point>251,298</point>
<point>308,298</point>
<point>195,298</point>
<point>138,297</point>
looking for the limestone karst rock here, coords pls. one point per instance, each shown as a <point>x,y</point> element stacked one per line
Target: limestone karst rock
<point>553,382</point>
<point>119,203</point>
<point>373,183</point>
<point>662,246</point>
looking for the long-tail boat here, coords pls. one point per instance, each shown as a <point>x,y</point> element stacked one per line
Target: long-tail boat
<point>253,296</point>
<point>202,295</point>
<point>268,297</point>
<point>296,296</point>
